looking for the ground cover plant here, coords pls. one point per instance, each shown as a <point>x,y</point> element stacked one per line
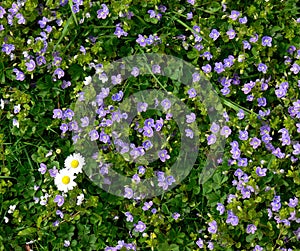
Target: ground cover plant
<point>94,95</point>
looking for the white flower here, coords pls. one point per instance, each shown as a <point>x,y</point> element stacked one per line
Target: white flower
<point>87,80</point>
<point>64,180</point>
<point>6,220</point>
<point>74,163</point>
<point>80,199</point>
<point>11,209</point>
<point>2,104</point>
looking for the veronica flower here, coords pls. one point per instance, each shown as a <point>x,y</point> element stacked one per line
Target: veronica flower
<point>141,40</point>
<point>231,34</point>
<point>59,72</point>
<point>192,93</point>
<point>103,13</point>
<point>266,41</point>
<point>262,68</point>
<point>163,155</point>
<point>140,227</point>
<point>243,20</point>
<point>59,200</point>
<point>251,228</point>
<point>30,65</point>
<point>234,15</point>
<point>213,227</point>
<point>214,34</point>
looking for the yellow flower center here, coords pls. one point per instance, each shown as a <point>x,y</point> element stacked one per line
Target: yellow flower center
<point>74,163</point>
<point>66,180</point>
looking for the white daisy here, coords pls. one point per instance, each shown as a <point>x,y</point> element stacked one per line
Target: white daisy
<point>74,163</point>
<point>64,180</point>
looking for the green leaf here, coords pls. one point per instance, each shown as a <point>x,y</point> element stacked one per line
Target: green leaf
<point>27,231</point>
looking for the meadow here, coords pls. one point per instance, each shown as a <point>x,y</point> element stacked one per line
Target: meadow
<point>150,125</point>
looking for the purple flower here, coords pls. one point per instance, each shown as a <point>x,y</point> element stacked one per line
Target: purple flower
<point>148,131</point>
<point>234,15</point>
<point>141,40</point>
<point>57,113</point>
<point>251,228</point>
<point>254,38</point>
<point>59,72</point>
<point>298,127</point>
<point>94,135</point>
<point>207,55</point>
<point>128,193</point>
<point>296,149</point>
<point>241,114</point>
<point>120,32</point>
<point>55,223</point>
<point>213,227</point>
<point>225,131</point>
<point>211,139</point>
<point>266,41</point>
<point>192,2</point>
<point>258,248</point>
<point>129,217</point>
<point>228,62</point>
<point>60,214</point>
<point>262,68</point>
<point>192,93</point>
<point>220,208</point>
<point>261,171</point>
<point>200,243</point>
<point>214,34</point>
<point>142,107</point>
<point>135,71</point>
<point>175,216</point>
<point>189,16</point>
<point>190,118</point>
<point>295,68</point>
<point>247,45</point>
<point>166,104</point>
<point>65,84</point>
<point>156,69</point>
<point>163,155</point>
<point>2,11</point>
<point>242,162</point>
<point>232,218</point>
<point>196,77</point>
<point>170,180</point>
<point>59,200</point>
<point>30,65</point>
<point>104,137</point>
<point>147,205</point>
<point>214,128</point>
<point>231,34</point>
<point>243,20</point>
<point>275,204</point>
<point>43,168</point>
<point>293,202</point>
<point>64,128</point>
<point>219,67</point>
<point>116,79</point>
<point>68,114</point>
<point>43,22</point>
<point>103,13</point>
<point>189,133</point>
<point>243,135</point>
<point>8,48</point>
<point>140,227</point>
<point>53,171</point>
<point>206,68</point>
<point>40,60</point>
